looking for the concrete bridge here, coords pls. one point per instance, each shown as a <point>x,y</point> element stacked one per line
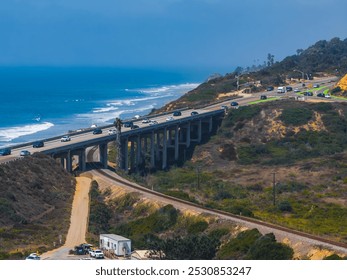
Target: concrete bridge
<point>147,147</point>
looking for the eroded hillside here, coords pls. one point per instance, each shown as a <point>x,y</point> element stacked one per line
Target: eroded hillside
<point>35,204</point>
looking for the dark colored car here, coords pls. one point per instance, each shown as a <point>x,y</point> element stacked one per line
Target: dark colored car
<point>128,124</point>
<point>289,88</point>
<point>177,113</point>
<point>234,104</point>
<point>320,95</point>
<point>194,113</point>
<point>38,144</point>
<point>263,97</point>
<point>97,131</point>
<point>5,152</point>
<point>134,126</point>
<point>270,88</point>
<point>308,93</point>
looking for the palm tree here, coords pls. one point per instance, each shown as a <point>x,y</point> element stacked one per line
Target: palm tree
<point>118,124</point>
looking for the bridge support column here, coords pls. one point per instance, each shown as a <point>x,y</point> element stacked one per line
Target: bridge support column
<point>152,150</point>
<point>199,131</point>
<point>125,160</point>
<point>138,151</point>
<point>68,162</point>
<point>176,143</point>
<point>103,155</point>
<point>210,125</point>
<point>164,163</point>
<point>132,154</point>
<point>82,160</point>
<point>188,135</point>
<point>157,149</point>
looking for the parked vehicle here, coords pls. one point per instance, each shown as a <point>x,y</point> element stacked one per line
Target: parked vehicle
<point>33,256</point>
<point>97,131</point>
<point>5,152</point>
<point>65,138</point>
<point>38,144</point>
<point>24,153</point>
<point>97,253</point>
<point>79,250</point>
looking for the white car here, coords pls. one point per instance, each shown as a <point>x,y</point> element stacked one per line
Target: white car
<point>169,119</point>
<point>112,131</point>
<point>97,253</point>
<point>33,256</point>
<point>327,96</point>
<point>146,121</point>
<point>152,123</point>
<point>65,138</point>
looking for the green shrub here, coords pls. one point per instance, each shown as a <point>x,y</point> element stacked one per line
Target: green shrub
<point>197,227</point>
<point>296,116</point>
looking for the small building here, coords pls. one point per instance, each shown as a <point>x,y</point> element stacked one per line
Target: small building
<point>115,244</point>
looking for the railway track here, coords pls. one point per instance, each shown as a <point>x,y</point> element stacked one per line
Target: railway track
<point>313,239</point>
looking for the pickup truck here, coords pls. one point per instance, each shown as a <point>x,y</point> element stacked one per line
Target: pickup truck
<point>97,253</point>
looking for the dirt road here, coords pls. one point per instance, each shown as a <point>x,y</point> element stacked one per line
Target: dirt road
<point>78,223</point>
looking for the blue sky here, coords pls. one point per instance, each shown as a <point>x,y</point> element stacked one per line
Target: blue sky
<point>211,34</point>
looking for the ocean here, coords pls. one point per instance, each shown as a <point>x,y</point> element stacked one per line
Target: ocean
<point>42,102</point>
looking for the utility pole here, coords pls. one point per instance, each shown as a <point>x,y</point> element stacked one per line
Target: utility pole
<point>274,187</point>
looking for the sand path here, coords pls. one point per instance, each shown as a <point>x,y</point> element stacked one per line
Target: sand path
<point>78,223</point>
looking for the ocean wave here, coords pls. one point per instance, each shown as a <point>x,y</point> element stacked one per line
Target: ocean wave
<point>180,88</point>
<point>8,134</point>
<point>106,117</point>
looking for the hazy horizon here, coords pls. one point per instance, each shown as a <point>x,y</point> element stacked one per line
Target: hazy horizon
<point>216,35</point>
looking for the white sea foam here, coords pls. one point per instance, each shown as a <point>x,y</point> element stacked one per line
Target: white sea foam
<point>8,134</point>
<point>181,88</point>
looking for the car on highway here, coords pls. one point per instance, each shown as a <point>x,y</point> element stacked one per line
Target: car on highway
<point>316,85</point>
<point>169,119</point>
<point>97,253</point>
<point>194,113</point>
<point>263,97</point>
<point>112,131</point>
<point>308,93</point>
<point>135,126</point>
<point>320,95</point>
<point>145,120</point>
<point>224,107</point>
<point>5,152</point>
<point>270,88</point>
<point>65,138</point>
<point>24,153</point>
<point>234,104</point>
<point>327,96</point>
<point>38,144</point>
<point>177,113</point>
<point>296,90</point>
<point>97,131</point>
<point>152,122</point>
<point>128,124</point>
<point>289,88</point>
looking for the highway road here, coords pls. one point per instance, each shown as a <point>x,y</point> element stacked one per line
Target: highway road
<point>86,135</point>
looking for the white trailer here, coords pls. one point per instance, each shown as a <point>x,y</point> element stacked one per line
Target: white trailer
<point>115,244</point>
<point>281,89</point>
